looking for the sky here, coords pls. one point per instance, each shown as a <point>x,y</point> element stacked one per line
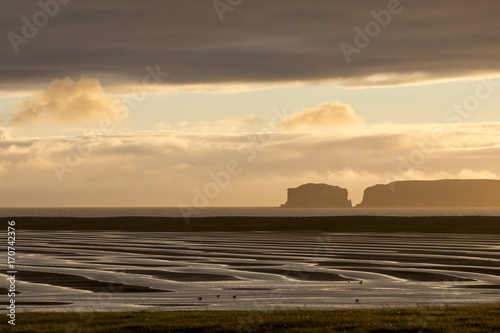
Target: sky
<point>231,102</point>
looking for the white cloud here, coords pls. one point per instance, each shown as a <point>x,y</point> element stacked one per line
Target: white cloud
<point>4,133</point>
<point>324,116</point>
<point>69,102</point>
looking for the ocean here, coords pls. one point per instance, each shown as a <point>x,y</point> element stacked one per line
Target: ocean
<point>243,211</point>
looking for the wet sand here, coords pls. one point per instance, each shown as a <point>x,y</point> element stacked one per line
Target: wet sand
<point>120,270</point>
<point>182,277</point>
<point>299,275</point>
<point>81,282</point>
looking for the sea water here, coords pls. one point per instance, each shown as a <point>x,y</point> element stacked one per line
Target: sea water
<point>244,211</point>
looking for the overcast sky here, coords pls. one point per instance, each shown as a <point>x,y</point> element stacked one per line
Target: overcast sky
<point>143,103</point>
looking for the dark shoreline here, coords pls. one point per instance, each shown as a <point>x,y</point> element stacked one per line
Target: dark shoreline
<point>414,224</point>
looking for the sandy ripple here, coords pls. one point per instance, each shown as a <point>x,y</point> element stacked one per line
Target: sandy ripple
<point>67,269</point>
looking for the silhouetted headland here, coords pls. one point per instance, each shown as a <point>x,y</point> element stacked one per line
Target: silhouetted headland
<point>317,196</point>
<point>448,193</point>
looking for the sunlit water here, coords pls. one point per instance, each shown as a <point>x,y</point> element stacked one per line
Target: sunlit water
<point>105,270</point>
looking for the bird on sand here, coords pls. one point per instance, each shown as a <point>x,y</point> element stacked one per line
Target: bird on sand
<point>357,300</point>
<point>234,296</point>
<point>218,296</point>
<point>360,281</point>
<point>200,298</point>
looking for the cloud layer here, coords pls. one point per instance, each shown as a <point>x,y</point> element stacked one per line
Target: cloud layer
<point>163,168</point>
<point>258,41</point>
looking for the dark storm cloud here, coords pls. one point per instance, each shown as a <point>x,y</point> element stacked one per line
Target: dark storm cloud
<point>258,41</point>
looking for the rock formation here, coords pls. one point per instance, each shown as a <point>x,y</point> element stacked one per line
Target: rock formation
<point>450,193</point>
<point>317,196</point>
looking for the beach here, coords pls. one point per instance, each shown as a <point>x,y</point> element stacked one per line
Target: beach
<point>82,268</point>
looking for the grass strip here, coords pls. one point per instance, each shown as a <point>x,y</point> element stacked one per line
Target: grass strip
<point>481,318</point>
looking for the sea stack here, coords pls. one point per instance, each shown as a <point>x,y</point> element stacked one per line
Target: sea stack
<point>447,193</point>
<point>317,196</point>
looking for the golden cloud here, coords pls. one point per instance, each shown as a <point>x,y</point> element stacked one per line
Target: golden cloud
<point>4,133</point>
<point>323,116</point>
<point>69,102</point>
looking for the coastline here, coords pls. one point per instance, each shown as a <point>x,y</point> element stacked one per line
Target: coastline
<point>386,224</point>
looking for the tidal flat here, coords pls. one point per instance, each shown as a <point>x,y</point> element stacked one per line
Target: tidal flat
<point>106,270</point>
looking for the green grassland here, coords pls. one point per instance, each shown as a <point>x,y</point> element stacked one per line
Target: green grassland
<point>484,318</point>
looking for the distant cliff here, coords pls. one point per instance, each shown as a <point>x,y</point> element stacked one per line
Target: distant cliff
<point>317,196</point>
<point>439,193</point>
